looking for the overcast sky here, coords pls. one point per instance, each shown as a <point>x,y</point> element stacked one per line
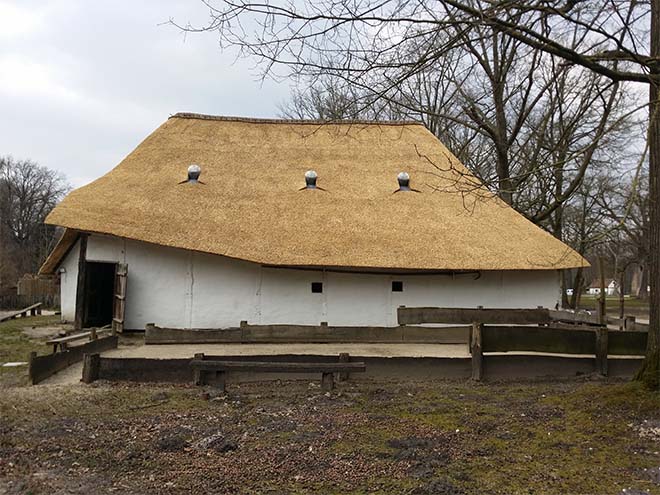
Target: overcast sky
<point>82,82</point>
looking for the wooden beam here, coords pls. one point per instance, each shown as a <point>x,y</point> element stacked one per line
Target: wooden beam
<point>81,283</point>
<point>574,317</point>
<point>197,374</point>
<point>327,382</point>
<point>344,357</point>
<point>476,350</point>
<point>276,367</point>
<point>601,351</point>
<point>307,333</point>
<point>91,367</point>
<point>467,316</point>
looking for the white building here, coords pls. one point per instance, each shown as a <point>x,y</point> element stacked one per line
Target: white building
<point>257,239</point>
<point>611,288</point>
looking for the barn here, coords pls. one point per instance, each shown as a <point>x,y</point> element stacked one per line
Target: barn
<point>212,221</point>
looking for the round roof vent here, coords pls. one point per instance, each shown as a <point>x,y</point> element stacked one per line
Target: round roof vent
<point>310,179</point>
<point>194,171</point>
<point>404,181</point>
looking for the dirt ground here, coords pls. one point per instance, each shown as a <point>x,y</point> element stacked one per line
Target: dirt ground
<point>390,437</point>
<point>365,437</point>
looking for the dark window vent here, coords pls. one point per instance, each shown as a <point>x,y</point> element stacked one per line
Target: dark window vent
<point>397,286</point>
<point>317,287</point>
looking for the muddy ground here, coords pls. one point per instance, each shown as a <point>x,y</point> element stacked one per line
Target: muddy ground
<point>365,437</point>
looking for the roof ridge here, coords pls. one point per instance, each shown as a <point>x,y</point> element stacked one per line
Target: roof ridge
<point>256,120</point>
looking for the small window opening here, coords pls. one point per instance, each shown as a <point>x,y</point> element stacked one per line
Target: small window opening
<point>317,287</point>
<point>397,286</point>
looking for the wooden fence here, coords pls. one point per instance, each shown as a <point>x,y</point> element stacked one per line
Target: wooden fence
<point>35,286</point>
<point>306,333</point>
<point>13,301</point>
<point>41,367</point>
<point>556,332</point>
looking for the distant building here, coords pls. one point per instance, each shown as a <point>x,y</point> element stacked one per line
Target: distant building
<point>611,287</point>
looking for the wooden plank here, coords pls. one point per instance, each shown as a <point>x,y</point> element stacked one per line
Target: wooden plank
<point>119,301</point>
<point>22,312</point>
<point>344,357</point>
<point>275,367</point>
<point>41,367</point>
<point>197,374</point>
<point>573,317</point>
<point>627,343</point>
<point>306,333</point>
<point>81,283</point>
<point>77,336</point>
<point>476,350</point>
<point>69,338</point>
<point>467,316</point>
<point>538,339</point>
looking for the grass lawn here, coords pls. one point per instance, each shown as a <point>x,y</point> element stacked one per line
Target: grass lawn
<point>16,345</point>
<point>632,305</point>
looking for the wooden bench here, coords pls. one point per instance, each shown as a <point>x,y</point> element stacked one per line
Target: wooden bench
<point>201,367</point>
<point>62,342</point>
<point>34,310</point>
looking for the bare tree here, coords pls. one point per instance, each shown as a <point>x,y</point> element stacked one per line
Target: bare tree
<point>28,192</point>
<point>618,39</point>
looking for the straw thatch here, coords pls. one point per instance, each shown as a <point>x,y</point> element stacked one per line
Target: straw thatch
<point>250,204</point>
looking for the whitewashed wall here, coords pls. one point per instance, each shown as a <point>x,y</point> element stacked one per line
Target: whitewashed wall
<point>177,288</point>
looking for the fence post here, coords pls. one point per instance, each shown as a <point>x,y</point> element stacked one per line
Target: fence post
<point>344,357</point>
<point>33,356</point>
<point>91,367</point>
<point>197,373</point>
<point>629,323</point>
<point>601,350</point>
<point>476,351</point>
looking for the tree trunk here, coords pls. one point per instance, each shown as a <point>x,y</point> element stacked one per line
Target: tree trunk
<point>577,288</point>
<point>643,293</point>
<point>650,372</point>
<point>565,276</point>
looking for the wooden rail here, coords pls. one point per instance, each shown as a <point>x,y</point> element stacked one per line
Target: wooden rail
<point>494,316</point>
<point>62,343</point>
<point>41,367</point>
<point>537,330</point>
<point>203,366</point>
<point>467,316</point>
<point>247,333</point>
<point>34,310</point>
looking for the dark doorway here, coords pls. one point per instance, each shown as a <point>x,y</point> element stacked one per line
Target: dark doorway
<point>99,293</point>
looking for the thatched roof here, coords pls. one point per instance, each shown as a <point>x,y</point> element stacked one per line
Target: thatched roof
<point>250,204</point>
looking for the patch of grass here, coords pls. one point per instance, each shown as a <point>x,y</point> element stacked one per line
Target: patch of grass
<point>16,346</point>
<point>631,304</point>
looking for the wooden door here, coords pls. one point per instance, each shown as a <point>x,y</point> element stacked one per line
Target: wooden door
<point>119,304</point>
